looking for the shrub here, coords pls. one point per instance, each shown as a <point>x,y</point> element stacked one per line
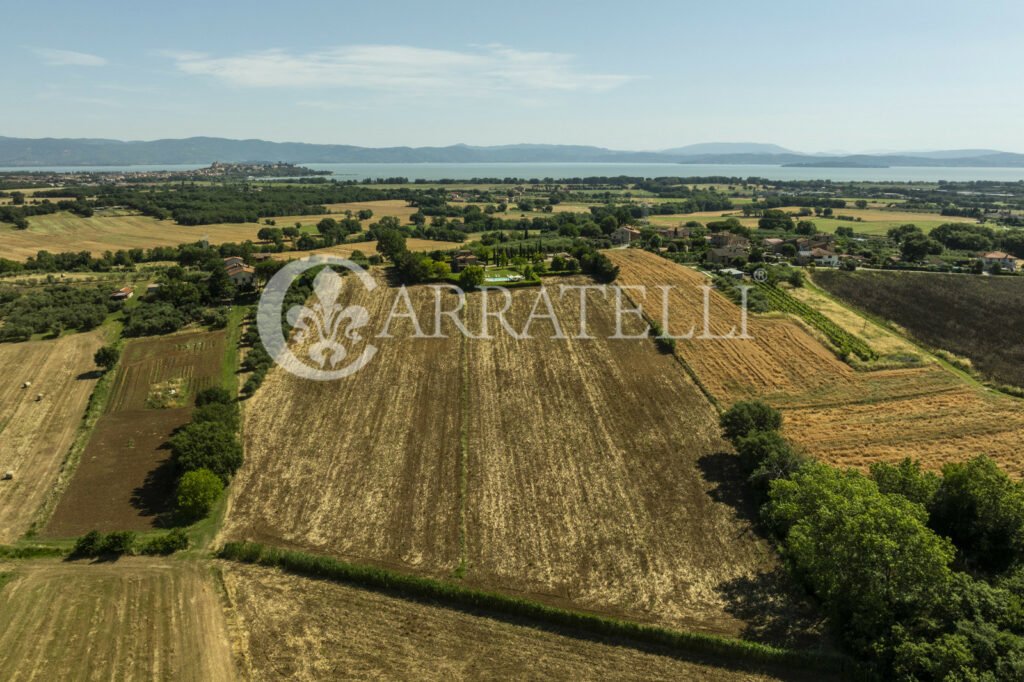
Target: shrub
<point>88,545</point>
<point>197,491</point>
<point>471,277</point>
<point>746,416</point>
<point>213,394</point>
<point>220,413</point>
<point>118,542</point>
<point>106,357</point>
<point>166,544</point>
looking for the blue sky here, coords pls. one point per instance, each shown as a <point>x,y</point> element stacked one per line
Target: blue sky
<point>811,76</point>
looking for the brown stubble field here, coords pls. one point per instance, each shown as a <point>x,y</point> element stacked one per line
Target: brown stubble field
<point>591,468</point>
<point>843,416</point>
<point>363,468</point>
<point>130,619</point>
<point>297,628</point>
<point>124,480</point>
<point>35,436</point>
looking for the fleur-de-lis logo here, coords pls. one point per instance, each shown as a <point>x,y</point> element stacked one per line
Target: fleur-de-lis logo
<point>325,318</point>
<point>321,328</point>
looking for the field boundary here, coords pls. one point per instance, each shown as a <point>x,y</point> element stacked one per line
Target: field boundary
<point>456,595</point>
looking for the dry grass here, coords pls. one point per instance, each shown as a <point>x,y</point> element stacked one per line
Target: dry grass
<point>35,435</point>
<point>133,619</point>
<point>59,232</point>
<point>845,417</point>
<point>297,628</point>
<point>64,231</point>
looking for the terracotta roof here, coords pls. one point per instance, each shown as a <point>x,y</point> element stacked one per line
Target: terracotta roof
<point>997,254</point>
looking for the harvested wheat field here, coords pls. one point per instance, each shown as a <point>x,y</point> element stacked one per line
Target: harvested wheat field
<point>598,499</point>
<point>124,480</point>
<point>133,619</point>
<point>586,472</point>
<point>59,232</point>
<point>296,628</point>
<point>363,468</point>
<point>845,417</point>
<point>780,357</point>
<point>35,435</point>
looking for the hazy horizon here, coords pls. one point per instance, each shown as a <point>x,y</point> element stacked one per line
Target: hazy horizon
<point>809,78</point>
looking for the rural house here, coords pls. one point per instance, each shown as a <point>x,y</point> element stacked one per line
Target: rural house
<point>726,254</point>
<point>722,239</point>
<point>818,256</point>
<point>122,294</point>
<point>242,275</point>
<point>625,235</point>
<point>233,260</point>
<point>1003,260</point>
<point>463,259</point>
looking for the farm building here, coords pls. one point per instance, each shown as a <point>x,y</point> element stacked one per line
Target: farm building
<point>233,260</point>
<point>122,294</point>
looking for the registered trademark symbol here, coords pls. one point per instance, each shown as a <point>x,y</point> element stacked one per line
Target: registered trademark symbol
<point>760,275</point>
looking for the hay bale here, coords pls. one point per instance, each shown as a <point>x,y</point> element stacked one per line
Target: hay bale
<point>8,475</point>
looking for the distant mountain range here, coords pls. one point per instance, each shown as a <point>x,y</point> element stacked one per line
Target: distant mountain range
<point>23,152</point>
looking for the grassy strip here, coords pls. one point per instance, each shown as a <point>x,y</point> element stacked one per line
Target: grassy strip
<point>414,586</point>
<point>31,551</point>
<point>230,364</point>
<point>96,407</point>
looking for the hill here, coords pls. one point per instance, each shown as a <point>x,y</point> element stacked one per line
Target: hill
<point>23,152</point>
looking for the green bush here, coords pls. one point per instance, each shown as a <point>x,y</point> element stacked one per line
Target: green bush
<point>166,544</point>
<point>747,416</point>
<point>88,545</point>
<point>219,413</point>
<point>214,394</point>
<point>197,491</point>
<point>118,542</point>
<point>206,445</point>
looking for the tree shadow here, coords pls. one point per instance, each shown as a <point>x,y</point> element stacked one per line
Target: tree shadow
<point>775,610</point>
<point>724,470</point>
<point>153,497</point>
<point>94,374</point>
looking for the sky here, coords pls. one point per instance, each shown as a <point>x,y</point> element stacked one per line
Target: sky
<point>818,76</point>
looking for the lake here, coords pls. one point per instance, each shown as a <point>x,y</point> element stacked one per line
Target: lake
<point>465,171</point>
